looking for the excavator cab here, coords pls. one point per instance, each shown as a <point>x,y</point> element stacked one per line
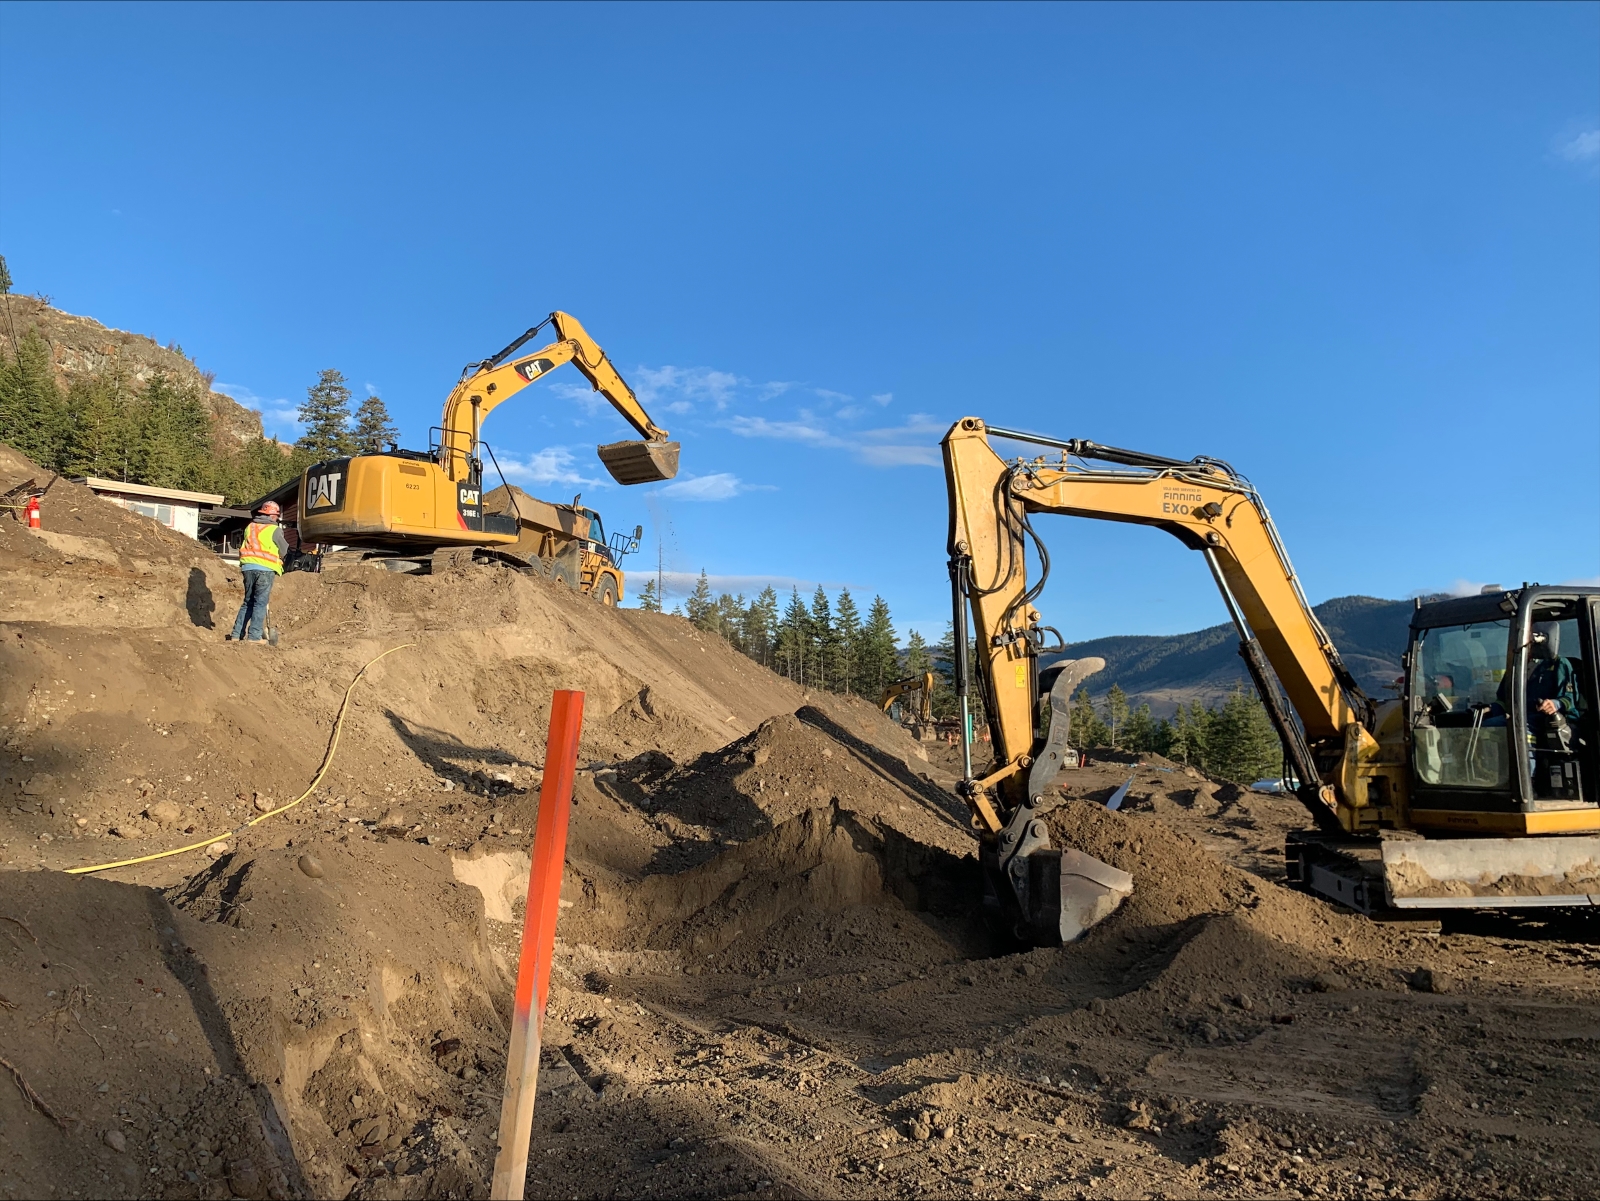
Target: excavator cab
<point>1501,702</point>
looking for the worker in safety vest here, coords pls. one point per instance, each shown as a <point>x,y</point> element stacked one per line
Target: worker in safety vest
<point>261,562</point>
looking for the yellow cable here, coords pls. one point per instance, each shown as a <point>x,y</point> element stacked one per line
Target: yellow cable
<point>327,759</point>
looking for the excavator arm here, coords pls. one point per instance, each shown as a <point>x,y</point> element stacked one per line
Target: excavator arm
<point>492,382</point>
<point>1211,509</point>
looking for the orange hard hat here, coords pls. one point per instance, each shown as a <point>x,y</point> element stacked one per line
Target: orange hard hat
<point>270,509</point>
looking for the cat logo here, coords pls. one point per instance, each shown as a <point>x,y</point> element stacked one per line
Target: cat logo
<point>534,368</point>
<point>469,496</point>
<point>325,488</point>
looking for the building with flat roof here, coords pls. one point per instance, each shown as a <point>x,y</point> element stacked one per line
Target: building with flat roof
<point>172,507</point>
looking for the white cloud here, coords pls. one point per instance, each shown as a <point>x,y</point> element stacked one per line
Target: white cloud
<point>830,395</point>
<point>686,384</point>
<point>899,456</point>
<point>1592,581</point>
<point>883,398</point>
<point>681,583</point>
<point>913,444</point>
<point>552,465</point>
<point>723,485</point>
<point>372,389</point>
<point>1582,148</point>
<point>773,389</point>
<point>789,431</point>
<point>280,418</point>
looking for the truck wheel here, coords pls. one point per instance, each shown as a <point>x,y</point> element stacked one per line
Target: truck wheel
<point>606,594</point>
<point>561,571</point>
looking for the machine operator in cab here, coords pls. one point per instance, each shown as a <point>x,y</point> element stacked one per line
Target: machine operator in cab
<point>260,563</point>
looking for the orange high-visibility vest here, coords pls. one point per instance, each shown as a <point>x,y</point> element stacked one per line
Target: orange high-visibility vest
<point>260,549</point>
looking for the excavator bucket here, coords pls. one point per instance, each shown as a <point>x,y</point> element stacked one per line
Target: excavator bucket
<point>640,462</point>
<point>1054,895</point>
<point>1491,873</point>
<point>1072,891</point>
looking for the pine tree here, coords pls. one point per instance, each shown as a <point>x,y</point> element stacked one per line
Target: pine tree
<point>761,626</point>
<point>1244,747</point>
<point>649,599</point>
<point>326,415</point>
<point>1087,729</point>
<point>374,430</point>
<point>1141,731</point>
<point>945,701</point>
<point>32,416</point>
<point>700,606</point>
<point>730,619</point>
<point>847,636</point>
<point>171,445</point>
<point>1190,731</point>
<point>793,638</point>
<point>918,660</point>
<point>258,467</point>
<point>1116,713</point>
<point>878,660</point>
<point>99,430</point>
<point>823,640</point>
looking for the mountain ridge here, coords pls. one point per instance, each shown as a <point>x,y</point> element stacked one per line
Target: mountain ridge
<point>1165,671</point>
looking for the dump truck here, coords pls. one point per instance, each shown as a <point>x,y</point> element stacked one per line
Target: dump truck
<point>565,543</point>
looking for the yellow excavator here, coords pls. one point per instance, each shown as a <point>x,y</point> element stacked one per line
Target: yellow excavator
<point>1478,786</point>
<point>418,505</point>
<point>921,685</point>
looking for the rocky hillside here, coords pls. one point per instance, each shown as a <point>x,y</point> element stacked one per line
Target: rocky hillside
<point>81,347</point>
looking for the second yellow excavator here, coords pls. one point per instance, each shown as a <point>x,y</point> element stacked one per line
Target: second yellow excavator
<point>1477,787</point>
<point>919,686</point>
<point>424,503</point>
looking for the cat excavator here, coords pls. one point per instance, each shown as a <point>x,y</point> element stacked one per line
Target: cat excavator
<point>1477,786</point>
<point>920,686</point>
<point>421,507</point>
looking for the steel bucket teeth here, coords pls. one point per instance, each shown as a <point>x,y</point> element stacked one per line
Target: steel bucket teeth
<point>640,462</point>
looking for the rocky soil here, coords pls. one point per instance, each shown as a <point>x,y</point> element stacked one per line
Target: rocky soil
<point>771,977</point>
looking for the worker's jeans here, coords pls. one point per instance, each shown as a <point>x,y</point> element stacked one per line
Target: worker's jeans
<point>257,588</point>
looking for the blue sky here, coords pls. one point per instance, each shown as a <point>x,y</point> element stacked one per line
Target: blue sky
<point>1354,250</point>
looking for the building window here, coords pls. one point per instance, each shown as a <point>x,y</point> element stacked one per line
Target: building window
<point>162,513</point>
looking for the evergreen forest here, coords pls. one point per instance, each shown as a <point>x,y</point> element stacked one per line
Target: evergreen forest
<point>829,644</point>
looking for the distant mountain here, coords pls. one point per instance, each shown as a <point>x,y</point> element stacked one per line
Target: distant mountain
<point>1168,671</point>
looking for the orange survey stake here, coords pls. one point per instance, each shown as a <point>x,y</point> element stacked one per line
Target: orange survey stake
<point>538,947</point>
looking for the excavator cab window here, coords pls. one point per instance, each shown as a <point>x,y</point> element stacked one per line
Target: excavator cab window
<point>1559,704</point>
<point>1459,721</point>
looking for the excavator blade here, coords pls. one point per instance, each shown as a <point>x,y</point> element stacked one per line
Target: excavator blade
<point>640,462</point>
<point>1497,873</point>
